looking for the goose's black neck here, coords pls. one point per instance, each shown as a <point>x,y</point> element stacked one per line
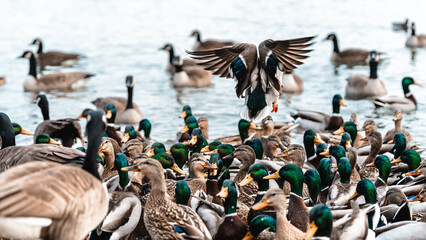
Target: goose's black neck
<point>171,55</point>
<point>44,106</point>
<point>413,32</point>
<point>129,98</point>
<point>33,67</point>
<point>40,47</point>
<point>95,130</point>
<point>335,45</point>
<point>373,69</point>
<point>7,135</point>
<point>178,68</point>
<point>199,37</point>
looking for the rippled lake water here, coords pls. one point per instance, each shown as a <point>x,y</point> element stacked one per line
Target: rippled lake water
<point>123,37</point>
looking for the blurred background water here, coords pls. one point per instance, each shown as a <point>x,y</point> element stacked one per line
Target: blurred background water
<point>123,37</point>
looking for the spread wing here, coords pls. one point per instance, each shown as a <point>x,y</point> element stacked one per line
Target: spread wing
<point>283,55</point>
<point>237,61</point>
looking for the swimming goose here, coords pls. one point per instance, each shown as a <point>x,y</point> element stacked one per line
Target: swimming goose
<point>292,83</point>
<point>67,129</point>
<point>127,111</point>
<point>361,86</point>
<point>170,66</point>
<point>258,75</point>
<point>414,40</point>
<point>53,58</point>
<point>397,129</point>
<point>320,121</point>
<point>406,104</point>
<point>349,56</point>
<point>51,81</point>
<point>191,76</point>
<point>396,26</point>
<point>208,44</point>
<point>47,200</point>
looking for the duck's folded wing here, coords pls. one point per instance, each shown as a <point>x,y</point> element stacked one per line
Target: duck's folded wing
<point>283,55</point>
<point>380,102</point>
<point>235,61</point>
<point>62,80</point>
<point>312,116</point>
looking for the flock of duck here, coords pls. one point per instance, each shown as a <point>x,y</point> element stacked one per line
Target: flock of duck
<point>337,184</point>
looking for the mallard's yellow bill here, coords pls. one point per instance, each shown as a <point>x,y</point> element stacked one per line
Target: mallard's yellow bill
<point>248,236</point>
<point>177,169</point>
<point>25,132</point>
<point>354,196</point>
<point>339,131</point>
<point>263,203</point>
<point>247,179</point>
<point>223,193</point>
<point>275,175</point>
<point>312,229</point>
<point>254,126</point>
<point>396,160</point>
<point>130,169</point>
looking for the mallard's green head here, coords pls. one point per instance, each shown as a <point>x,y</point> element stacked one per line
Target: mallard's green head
<point>225,150</point>
<point>400,144</point>
<point>216,162</point>
<point>186,112</point>
<point>46,139</point>
<point>228,192</point>
<point>167,161</point>
<point>212,146</point>
<point>349,127</point>
<point>367,189</point>
<point>324,170</point>
<point>258,224</point>
<point>337,102</point>
<point>190,124</point>
<point>119,163</point>
<point>345,141</point>
<point>256,172</point>
<point>336,151</point>
<point>111,112</point>
<point>257,146</point>
<point>19,130</point>
<point>291,173</point>
<point>406,82</point>
<point>179,152</point>
<point>345,170</point>
<point>145,125</point>
<point>243,128</point>
<point>182,192</point>
<point>129,134</point>
<point>383,164</point>
<point>321,222</point>
<point>309,139</point>
<point>321,148</point>
<point>157,147</point>
<point>313,179</point>
<point>411,158</point>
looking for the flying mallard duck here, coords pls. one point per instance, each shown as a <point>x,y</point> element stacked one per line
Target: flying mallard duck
<point>258,75</point>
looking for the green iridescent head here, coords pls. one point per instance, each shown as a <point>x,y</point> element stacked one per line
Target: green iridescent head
<point>19,130</point>
<point>337,102</point>
<point>257,172</point>
<point>411,158</point>
<point>345,170</point>
<point>211,146</point>
<point>261,222</point>
<point>46,139</point>
<point>337,152</point>
<point>321,148</point>
<point>225,150</point>
<point>321,221</point>
<point>179,152</point>
<point>145,125</point>
<point>313,180</point>
<point>129,133</point>
<point>406,82</point>
<point>367,189</point>
<point>243,128</point>
<point>257,146</point>
<point>191,123</point>
<point>400,144</point>
<point>291,173</point>
<point>217,162</point>
<point>186,112</point>
<point>182,192</point>
<point>349,127</point>
<point>158,147</point>
<point>228,192</point>
<point>383,164</point>
<point>345,141</point>
<point>119,163</point>
<point>324,170</point>
<point>111,113</point>
<point>167,161</point>
<point>309,139</point>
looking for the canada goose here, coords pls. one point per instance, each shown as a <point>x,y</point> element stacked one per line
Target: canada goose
<point>2,80</point>
<point>397,26</point>
<point>53,58</point>
<point>349,57</point>
<point>51,81</point>
<point>415,41</point>
<point>170,66</point>
<point>46,200</point>
<point>67,129</point>
<point>194,76</point>
<point>256,73</point>
<point>362,86</point>
<point>406,104</point>
<point>127,111</point>
<point>11,155</point>
<point>208,44</point>
<point>292,83</point>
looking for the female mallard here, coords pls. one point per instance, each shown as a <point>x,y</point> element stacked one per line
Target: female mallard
<point>54,58</point>
<point>170,66</point>
<point>349,56</point>
<point>292,83</point>
<point>163,218</point>
<point>391,133</point>
<point>132,145</point>
<point>415,41</point>
<point>107,151</point>
<point>67,129</point>
<point>285,230</point>
<point>321,121</point>
<point>262,227</point>
<point>46,200</point>
<point>362,86</point>
<point>127,111</point>
<point>256,73</point>
<point>51,81</point>
<point>208,44</point>
<point>406,104</point>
